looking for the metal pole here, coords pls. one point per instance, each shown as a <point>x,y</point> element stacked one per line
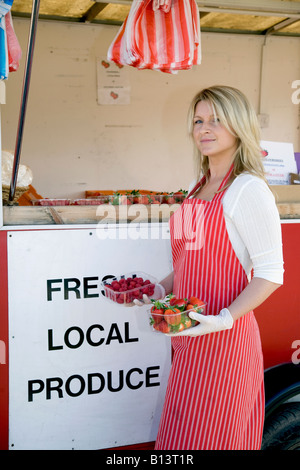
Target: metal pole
<point>26,81</point>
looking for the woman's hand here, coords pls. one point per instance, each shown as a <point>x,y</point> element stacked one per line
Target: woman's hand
<point>207,324</point>
<point>159,293</point>
<point>161,290</point>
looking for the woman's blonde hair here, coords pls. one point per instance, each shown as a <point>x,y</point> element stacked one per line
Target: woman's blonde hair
<point>237,114</point>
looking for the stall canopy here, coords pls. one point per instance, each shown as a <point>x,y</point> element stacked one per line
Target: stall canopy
<point>281,17</point>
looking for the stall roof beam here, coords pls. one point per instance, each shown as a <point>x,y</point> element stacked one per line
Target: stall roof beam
<point>252,7</point>
<point>279,8</point>
<point>282,24</point>
<point>220,16</point>
<point>95,9</point>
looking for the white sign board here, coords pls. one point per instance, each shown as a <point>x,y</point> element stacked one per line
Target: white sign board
<point>85,373</point>
<point>279,161</point>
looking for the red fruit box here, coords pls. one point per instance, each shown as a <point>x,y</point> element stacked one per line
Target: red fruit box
<point>174,198</point>
<point>52,202</point>
<point>92,201</point>
<point>126,288</point>
<point>165,318</point>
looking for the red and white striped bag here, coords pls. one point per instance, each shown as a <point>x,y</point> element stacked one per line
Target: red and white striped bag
<point>13,45</point>
<point>160,35</point>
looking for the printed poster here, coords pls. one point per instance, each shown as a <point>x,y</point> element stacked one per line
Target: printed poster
<point>279,161</point>
<point>113,86</point>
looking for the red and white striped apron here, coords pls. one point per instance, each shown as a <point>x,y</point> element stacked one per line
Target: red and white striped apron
<point>215,393</point>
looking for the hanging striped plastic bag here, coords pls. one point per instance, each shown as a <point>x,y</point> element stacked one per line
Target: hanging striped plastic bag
<point>3,50</point>
<point>121,50</point>
<point>160,35</point>
<point>164,5</point>
<point>174,36</point>
<point>13,46</point>
<point>5,7</point>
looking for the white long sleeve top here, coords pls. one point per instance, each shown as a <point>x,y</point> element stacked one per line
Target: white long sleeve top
<point>253,225</point>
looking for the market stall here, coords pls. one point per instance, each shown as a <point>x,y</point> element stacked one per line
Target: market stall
<point>77,368</point>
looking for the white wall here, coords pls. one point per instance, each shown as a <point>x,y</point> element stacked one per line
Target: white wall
<point>72,143</point>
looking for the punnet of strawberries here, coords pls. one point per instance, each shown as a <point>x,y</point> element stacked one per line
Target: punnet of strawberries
<point>172,314</point>
<point>124,289</point>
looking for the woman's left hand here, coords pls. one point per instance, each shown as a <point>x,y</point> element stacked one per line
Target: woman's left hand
<point>207,324</point>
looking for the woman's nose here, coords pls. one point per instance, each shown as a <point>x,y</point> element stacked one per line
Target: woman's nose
<point>205,128</point>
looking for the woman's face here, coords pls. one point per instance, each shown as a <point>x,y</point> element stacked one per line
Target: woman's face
<point>210,136</point>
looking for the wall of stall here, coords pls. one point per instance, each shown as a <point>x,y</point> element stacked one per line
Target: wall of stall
<point>72,143</point>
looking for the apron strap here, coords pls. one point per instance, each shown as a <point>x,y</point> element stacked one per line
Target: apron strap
<point>220,194</point>
<point>224,182</point>
<point>196,187</point>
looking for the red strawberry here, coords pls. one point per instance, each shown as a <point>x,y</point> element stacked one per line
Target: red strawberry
<point>157,311</point>
<point>163,327</point>
<point>170,199</point>
<point>196,302</point>
<point>264,153</point>
<point>180,303</point>
<point>171,317</point>
<point>142,199</point>
<point>126,200</point>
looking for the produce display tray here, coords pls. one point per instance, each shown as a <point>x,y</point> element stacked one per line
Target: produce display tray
<point>124,289</point>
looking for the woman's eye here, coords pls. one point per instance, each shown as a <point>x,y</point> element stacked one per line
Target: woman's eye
<point>212,121</point>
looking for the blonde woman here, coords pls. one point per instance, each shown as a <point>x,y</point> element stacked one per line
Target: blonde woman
<point>215,394</point>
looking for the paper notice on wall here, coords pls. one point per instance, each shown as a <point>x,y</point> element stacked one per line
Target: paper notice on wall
<point>113,86</point>
<point>279,161</point>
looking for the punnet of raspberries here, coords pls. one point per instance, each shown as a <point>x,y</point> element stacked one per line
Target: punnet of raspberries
<point>125,289</point>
